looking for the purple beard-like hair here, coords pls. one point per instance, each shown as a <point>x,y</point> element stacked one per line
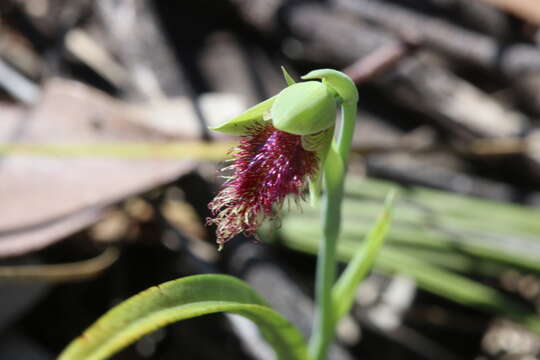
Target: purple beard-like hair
<point>268,165</point>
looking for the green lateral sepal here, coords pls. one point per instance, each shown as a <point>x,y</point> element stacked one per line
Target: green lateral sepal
<point>241,124</point>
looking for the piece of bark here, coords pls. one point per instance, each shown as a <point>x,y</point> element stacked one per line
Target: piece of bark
<point>526,91</point>
<point>261,14</point>
<point>225,68</point>
<point>439,171</point>
<point>52,18</point>
<point>447,38</point>
<point>325,34</point>
<point>476,15</point>
<point>378,62</point>
<point>373,134</point>
<point>17,50</point>
<point>15,241</point>
<point>526,9</point>
<point>138,40</point>
<point>44,24</point>
<point>17,85</point>
<point>453,102</point>
<point>230,65</point>
<point>54,24</point>
<point>518,62</point>
<point>91,53</point>
<point>17,18</point>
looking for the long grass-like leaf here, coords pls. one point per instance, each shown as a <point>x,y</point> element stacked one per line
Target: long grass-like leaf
<point>434,279</point>
<point>439,222</point>
<point>344,290</point>
<point>183,299</point>
<point>437,238</point>
<point>458,288</point>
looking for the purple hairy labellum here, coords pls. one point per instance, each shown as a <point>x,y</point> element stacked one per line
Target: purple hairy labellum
<point>268,165</point>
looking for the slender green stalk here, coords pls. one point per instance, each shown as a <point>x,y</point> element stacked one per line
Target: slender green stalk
<point>348,123</point>
<point>326,260</point>
<point>334,176</point>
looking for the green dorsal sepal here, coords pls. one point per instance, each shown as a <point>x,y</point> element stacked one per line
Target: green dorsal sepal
<point>340,82</point>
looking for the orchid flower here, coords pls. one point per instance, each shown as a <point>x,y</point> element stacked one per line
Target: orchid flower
<point>283,145</point>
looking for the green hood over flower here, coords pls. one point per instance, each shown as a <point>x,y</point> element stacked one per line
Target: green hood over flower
<point>304,108</point>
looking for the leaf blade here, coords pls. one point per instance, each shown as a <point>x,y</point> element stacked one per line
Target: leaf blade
<point>344,290</point>
<point>178,300</point>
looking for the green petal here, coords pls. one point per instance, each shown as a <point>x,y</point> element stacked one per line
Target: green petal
<point>241,124</point>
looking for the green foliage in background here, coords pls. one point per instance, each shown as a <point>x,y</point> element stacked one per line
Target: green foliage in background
<point>437,238</point>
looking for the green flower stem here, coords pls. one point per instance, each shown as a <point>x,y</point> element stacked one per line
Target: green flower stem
<point>334,175</point>
<point>347,131</point>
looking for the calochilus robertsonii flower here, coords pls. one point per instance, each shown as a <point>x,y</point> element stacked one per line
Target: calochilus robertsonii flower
<point>284,143</point>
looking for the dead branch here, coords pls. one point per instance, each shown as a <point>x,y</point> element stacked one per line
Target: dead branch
<point>416,83</point>
<point>447,38</point>
<point>139,42</point>
<point>527,9</point>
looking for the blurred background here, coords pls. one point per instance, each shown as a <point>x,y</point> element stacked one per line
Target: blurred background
<point>449,114</point>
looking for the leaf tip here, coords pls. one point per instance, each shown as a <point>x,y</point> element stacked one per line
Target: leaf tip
<point>390,200</point>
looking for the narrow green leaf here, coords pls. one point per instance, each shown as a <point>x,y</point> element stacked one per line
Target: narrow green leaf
<point>458,288</point>
<point>242,123</point>
<point>364,257</point>
<point>434,279</point>
<point>422,244</point>
<point>183,299</point>
<point>504,234</point>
